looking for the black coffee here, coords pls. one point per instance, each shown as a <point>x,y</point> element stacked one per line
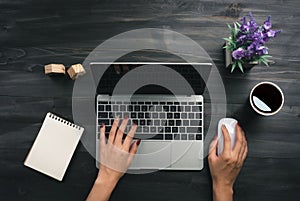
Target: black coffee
<point>268,94</point>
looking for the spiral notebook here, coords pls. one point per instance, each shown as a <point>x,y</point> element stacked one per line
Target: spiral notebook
<point>54,146</point>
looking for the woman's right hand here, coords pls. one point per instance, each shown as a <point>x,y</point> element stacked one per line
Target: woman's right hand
<point>225,168</point>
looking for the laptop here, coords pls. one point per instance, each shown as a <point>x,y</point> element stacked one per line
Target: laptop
<point>165,101</point>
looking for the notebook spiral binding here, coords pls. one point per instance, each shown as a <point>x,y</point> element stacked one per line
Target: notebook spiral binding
<point>57,118</point>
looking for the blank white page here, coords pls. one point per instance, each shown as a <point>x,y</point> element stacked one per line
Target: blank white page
<point>54,146</point>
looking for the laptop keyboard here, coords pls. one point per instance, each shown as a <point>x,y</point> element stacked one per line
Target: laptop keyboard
<point>156,120</point>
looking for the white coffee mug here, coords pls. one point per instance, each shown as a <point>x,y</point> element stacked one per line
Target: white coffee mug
<point>266,98</point>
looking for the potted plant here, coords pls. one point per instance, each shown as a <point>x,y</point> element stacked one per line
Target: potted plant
<point>245,47</point>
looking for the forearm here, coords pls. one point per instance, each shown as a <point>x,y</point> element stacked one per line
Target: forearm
<point>101,190</point>
<point>222,193</point>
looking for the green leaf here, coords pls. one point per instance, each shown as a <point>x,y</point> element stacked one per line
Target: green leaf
<point>240,66</point>
<point>233,66</point>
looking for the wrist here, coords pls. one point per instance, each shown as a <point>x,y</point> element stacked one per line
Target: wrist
<point>106,181</point>
<point>222,188</point>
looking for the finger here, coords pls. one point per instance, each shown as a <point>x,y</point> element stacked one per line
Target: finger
<point>245,153</point>
<point>120,132</point>
<point>239,140</point>
<point>244,144</point>
<point>102,135</point>
<point>227,140</point>
<point>112,133</point>
<point>213,148</point>
<point>133,150</point>
<point>129,137</point>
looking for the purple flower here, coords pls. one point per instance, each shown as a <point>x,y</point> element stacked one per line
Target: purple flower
<point>262,50</point>
<point>267,23</point>
<point>239,53</point>
<point>271,33</point>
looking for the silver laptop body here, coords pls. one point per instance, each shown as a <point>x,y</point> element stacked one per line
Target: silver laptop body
<point>171,127</point>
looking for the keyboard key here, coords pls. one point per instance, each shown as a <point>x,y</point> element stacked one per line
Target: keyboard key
<point>159,108</point>
<point>126,114</point>
<point>183,115</point>
<point>191,103</point>
<point>155,103</point>
<point>149,122</point>
<point>163,122</point>
<point>156,122</point>
<point>169,103</point>
<point>145,129</point>
<point>178,122</point>
<point>119,102</point>
<point>195,109</point>
<point>191,137</point>
<point>179,108</point>
<point>167,129</point>
<point>162,115</point>
<point>168,137</point>
<point>130,108</point>
<point>162,103</point>
<point>153,129</point>
<point>138,130</point>
<point>198,116</point>
<point>166,108</point>
<point>176,115</point>
<point>160,129</point>
<point>102,115</point>
<point>171,122</point>
<point>103,102</point>
<point>136,108</point>
<point>174,129</point>
<point>132,115</point>
<point>157,137</point>
<point>135,121</point>
<point>198,137</point>
<point>151,108</point>
<point>140,103</point>
<point>191,115</point>
<point>186,122</point>
<point>108,108</point>
<point>182,129</point>
<point>170,115</point>
<point>133,103</point>
<point>173,108</point>
<point>183,137</point>
<point>176,137</point>
<point>103,121</point>
<point>187,108</point>
<point>144,108</point>
<point>100,107</point>
<point>115,108</point>
<point>147,103</point>
<point>147,115</point>
<point>154,115</point>
<point>198,103</point>
<point>141,115</point>
<point>142,122</point>
<point>120,114</point>
<point>122,108</point>
<point>111,115</point>
<point>194,129</point>
<point>176,103</point>
<point>183,103</point>
<point>194,122</point>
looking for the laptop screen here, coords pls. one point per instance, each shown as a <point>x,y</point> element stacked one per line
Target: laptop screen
<point>150,78</point>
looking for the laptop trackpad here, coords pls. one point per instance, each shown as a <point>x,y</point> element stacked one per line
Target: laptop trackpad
<point>152,155</point>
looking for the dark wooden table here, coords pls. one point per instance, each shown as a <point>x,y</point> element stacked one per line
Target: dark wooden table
<point>34,33</point>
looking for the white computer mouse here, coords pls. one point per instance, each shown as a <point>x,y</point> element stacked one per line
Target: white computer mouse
<point>230,124</point>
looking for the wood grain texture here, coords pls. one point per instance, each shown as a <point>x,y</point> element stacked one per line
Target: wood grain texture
<point>34,33</point>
